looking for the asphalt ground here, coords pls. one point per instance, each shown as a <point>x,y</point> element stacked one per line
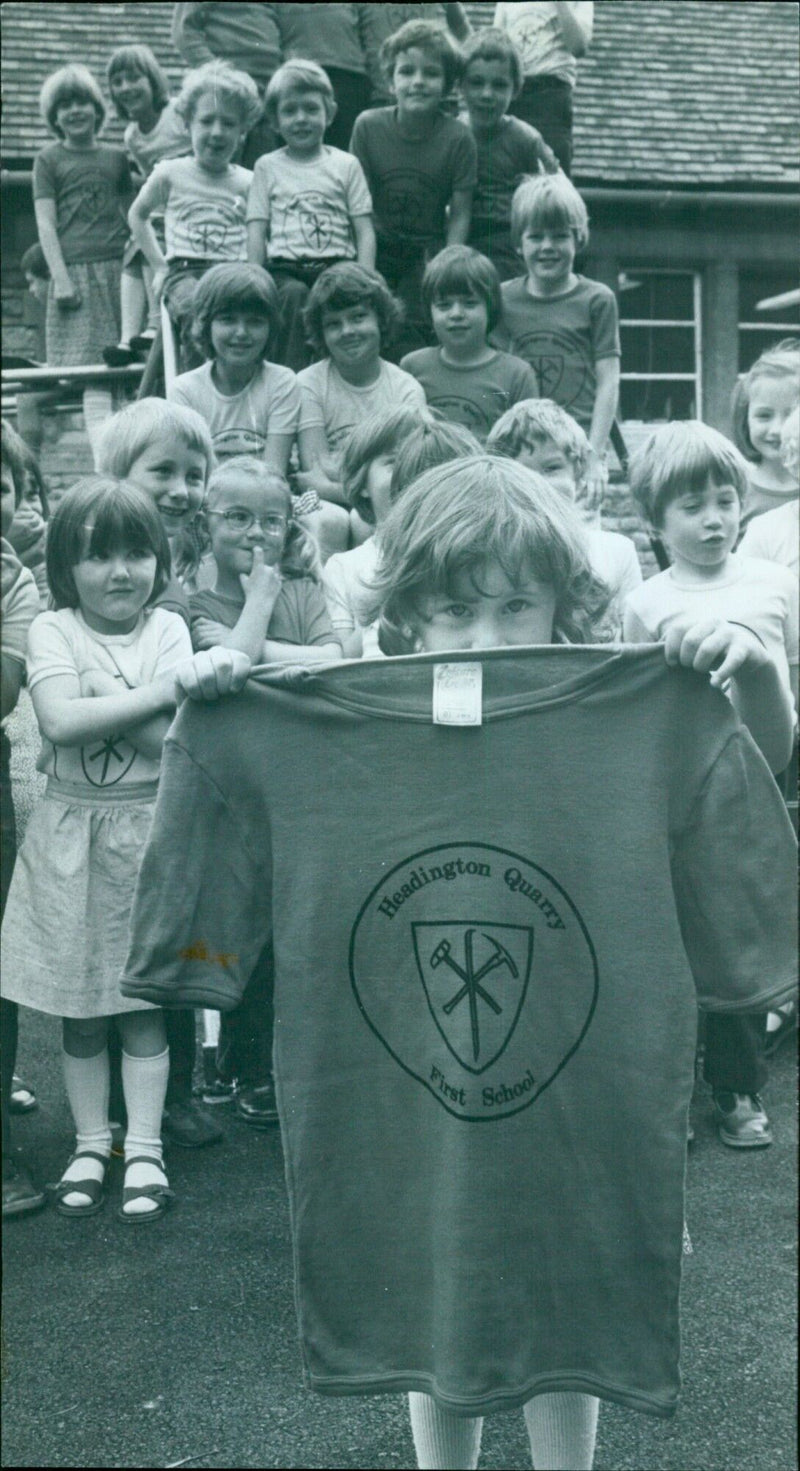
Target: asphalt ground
<point>175,1344</point>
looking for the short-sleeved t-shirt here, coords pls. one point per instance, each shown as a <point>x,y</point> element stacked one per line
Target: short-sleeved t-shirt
<point>760,595</point>
<point>614,558</point>
<point>204,213</point>
<point>474,396</point>
<point>168,139</point>
<point>465,992</point>
<point>308,207</point>
<point>62,643</point>
<point>92,192</point>
<point>347,579</point>
<point>329,33</point>
<point>412,180</point>
<point>241,422</point>
<point>775,536</point>
<point>562,337</point>
<point>761,498</point>
<point>535,29</point>
<point>20,604</point>
<point>327,400</point>
<point>299,616</point>
<point>512,152</point>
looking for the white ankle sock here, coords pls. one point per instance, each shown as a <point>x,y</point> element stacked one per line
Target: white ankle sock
<point>144,1084</point>
<point>443,1440</point>
<point>87,1080</point>
<point>562,1430</point>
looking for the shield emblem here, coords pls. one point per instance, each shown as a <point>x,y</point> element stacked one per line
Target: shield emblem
<point>475,977</point>
<point>549,372</point>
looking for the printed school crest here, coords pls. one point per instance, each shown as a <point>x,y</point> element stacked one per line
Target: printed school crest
<point>473,967</point>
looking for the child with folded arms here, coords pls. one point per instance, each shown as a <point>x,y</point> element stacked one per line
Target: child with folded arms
<point>465,378</point>
<point>309,204</point>
<point>508,148</point>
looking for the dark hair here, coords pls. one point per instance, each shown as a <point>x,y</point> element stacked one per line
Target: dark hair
<point>132,57</point>
<point>230,286</point>
<point>492,44</point>
<point>13,454</point>
<point>377,434</point>
<point>428,36</point>
<point>62,86</point>
<point>460,270</point>
<point>33,263</point>
<point>679,459</point>
<point>113,514</point>
<point>348,285</point>
<point>432,443</point>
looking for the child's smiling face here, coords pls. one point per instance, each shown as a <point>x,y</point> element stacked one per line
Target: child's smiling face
<point>352,336</point>
<point>488,89</point>
<point>215,129</point>
<point>174,476</point>
<point>485,609</point>
<point>76,116</point>
<point>772,400</point>
<point>417,82</point>
<point>549,256</point>
<point>460,322</point>
<point>242,518</point>
<point>132,91</point>
<point>302,119</point>
<point>239,337</point>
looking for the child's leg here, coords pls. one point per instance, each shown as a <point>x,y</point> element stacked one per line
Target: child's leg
<point>145,1070</point>
<point>153,316</point>
<point>291,349</point>
<point>562,1430</point>
<point>133,301</point>
<point>86,1077</point>
<point>97,407</point>
<point>734,1065</point>
<point>441,1439</point>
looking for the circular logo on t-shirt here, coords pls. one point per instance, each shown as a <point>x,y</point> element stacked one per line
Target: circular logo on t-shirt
<point>410,202</point>
<point>475,970</point>
<point>106,762</point>
<point>559,361</point>
<point>217,234</point>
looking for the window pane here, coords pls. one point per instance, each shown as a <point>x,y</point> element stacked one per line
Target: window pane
<point>649,295</point>
<point>657,349</point>
<point>656,401</point>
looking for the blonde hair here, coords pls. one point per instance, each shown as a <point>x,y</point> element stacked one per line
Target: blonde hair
<point>780,361</point>
<point>548,200</point>
<point>462,516</point>
<point>300,557</point>
<point>224,81</point>
<point>299,75</point>
<point>532,421</point>
<point>126,435</point>
<point>70,81</point>
<point>680,458</point>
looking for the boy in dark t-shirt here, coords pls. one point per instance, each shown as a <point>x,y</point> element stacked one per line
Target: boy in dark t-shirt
<point>468,381</point>
<point>420,164</point>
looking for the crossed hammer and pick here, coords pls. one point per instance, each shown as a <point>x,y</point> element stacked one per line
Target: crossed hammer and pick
<point>472,988</point>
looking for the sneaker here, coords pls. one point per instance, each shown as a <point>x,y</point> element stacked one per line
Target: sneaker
<point>742,1121</point>
<point>257,1106</point>
<point>188,1125</point>
<point>20,1195</point>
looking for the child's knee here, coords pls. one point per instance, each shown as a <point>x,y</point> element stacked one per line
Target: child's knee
<point>85,1036</point>
<point>143,1033</point>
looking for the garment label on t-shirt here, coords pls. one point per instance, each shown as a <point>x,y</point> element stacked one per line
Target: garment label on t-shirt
<point>457,690</point>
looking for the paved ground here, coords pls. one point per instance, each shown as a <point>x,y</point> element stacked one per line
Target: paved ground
<point>176,1344</point>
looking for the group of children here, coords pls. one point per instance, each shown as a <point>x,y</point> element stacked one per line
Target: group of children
<point>274,509</point>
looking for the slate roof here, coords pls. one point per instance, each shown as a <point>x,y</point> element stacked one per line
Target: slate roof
<point>679,93</point>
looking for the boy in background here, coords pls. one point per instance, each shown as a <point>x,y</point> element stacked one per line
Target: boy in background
<point>420,165</point>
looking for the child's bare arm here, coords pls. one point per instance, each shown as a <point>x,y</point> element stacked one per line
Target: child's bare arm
<point>575,34</point>
<point>458,217</point>
<point>275,652</point>
<point>148,736</point>
<point>605,402</point>
<point>142,230</point>
<point>732,652</point>
<point>318,466</point>
<point>45,211</point>
<point>256,242</point>
<point>364,233</point>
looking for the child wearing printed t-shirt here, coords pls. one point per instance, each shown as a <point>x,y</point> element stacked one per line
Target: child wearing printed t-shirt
<point>420,164</point>
<point>690,483</point>
<point>563,324</point>
<point>309,204</point>
<point>464,378</point>
<point>452,1014</point>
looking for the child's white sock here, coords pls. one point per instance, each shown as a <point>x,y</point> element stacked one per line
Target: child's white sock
<point>87,1081</point>
<point>443,1440</point>
<point>562,1430</point>
<point>144,1083</point>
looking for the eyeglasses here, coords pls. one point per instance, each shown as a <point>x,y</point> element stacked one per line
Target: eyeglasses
<point>243,521</point>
